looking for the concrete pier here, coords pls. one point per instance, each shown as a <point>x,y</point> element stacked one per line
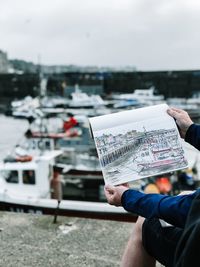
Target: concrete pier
<point>34,240</point>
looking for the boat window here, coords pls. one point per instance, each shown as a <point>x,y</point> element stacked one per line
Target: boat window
<point>28,177</point>
<point>47,144</point>
<point>41,145</point>
<point>11,176</point>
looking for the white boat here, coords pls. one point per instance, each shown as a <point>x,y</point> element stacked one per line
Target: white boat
<point>25,108</point>
<point>142,96</point>
<point>82,100</point>
<point>30,182</point>
<point>27,178</point>
<point>25,187</point>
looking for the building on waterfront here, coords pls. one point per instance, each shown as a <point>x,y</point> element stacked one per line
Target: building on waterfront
<point>155,145</point>
<point>104,81</point>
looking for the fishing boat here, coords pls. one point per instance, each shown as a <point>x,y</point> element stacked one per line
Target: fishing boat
<point>34,186</point>
<point>142,97</point>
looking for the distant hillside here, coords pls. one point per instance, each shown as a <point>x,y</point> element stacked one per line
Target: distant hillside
<point>30,67</point>
<point>24,66</point>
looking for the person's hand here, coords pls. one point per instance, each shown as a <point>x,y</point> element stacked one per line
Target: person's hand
<point>182,119</point>
<point>114,193</point>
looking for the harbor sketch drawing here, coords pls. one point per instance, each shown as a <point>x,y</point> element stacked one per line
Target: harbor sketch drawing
<point>138,150</point>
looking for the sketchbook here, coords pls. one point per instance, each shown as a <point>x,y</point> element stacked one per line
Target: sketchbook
<point>138,143</point>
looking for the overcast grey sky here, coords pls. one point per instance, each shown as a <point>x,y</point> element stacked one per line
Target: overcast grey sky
<point>147,34</point>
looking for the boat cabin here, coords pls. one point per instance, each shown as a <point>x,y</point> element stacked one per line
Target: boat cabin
<point>28,179</point>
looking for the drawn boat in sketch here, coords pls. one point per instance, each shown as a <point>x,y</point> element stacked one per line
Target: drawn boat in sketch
<point>158,154</point>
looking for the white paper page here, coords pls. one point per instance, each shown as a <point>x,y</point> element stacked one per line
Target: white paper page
<point>137,143</point>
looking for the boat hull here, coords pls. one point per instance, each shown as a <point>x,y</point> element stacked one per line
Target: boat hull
<point>90,210</point>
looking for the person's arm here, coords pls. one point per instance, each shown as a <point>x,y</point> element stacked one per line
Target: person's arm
<point>172,209</point>
<point>193,136</point>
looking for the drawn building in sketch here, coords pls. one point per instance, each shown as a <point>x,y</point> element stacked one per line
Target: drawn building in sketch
<point>142,153</point>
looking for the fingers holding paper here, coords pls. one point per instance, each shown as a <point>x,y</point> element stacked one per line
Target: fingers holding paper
<point>114,193</point>
<point>182,118</point>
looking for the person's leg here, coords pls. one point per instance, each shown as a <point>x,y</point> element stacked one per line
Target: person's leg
<point>160,242</point>
<point>135,255</point>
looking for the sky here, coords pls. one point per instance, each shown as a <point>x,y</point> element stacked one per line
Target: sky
<point>146,34</point>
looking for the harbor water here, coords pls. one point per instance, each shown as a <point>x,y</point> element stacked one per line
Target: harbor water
<point>12,133</point>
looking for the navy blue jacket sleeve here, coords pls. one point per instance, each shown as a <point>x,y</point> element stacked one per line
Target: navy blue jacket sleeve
<point>193,135</point>
<point>172,209</point>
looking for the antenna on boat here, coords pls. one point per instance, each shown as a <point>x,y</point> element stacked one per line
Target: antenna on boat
<point>42,82</point>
